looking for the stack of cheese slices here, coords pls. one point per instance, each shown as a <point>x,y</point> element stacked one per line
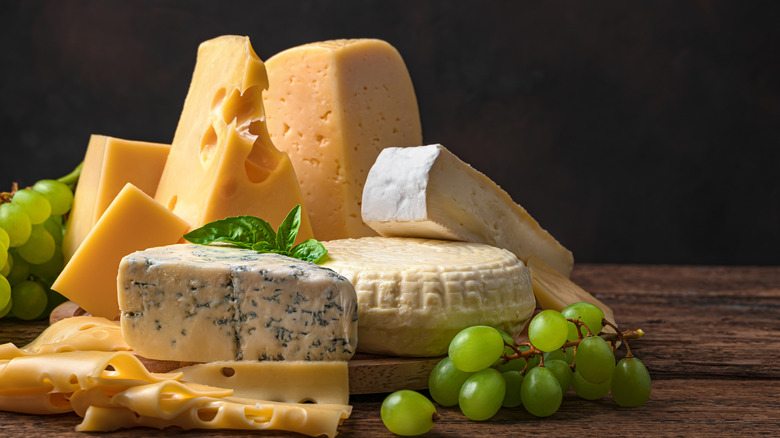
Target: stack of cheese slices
<point>420,244</point>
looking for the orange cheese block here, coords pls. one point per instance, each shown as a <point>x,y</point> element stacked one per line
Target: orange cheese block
<point>132,222</point>
<point>333,106</point>
<point>222,162</point>
<point>109,164</point>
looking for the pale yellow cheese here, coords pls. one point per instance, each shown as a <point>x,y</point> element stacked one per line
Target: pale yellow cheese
<point>222,162</point>
<point>78,333</point>
<point>109,164</point>
<point>287,381</point>
<point>132,222</point>
<point>333,106</point>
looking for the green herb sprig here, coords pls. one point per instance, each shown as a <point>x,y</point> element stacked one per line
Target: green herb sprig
<point>253,233</point>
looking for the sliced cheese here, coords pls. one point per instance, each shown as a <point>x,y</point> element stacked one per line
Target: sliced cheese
<point>222,162</point>
<point>415,295</point>
<point>242,304</point>
<point>109,164</point>
<point>333,106</point>
<point>427,191</point>
<point>79,333</point>
<point>554,291</point>
<point>132,222</point>
<point>288,381</point>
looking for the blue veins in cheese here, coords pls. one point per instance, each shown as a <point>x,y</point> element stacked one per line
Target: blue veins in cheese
<point>197,303</point>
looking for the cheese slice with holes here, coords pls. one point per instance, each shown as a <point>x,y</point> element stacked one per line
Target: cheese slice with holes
<point>109,164</point>
<point>427,191</point>
<point>333,106</point>
<point>241,304</point>
<point>415,295</point>
<point>222,162</point>
<point>289,381</point>
<point>132,222</point>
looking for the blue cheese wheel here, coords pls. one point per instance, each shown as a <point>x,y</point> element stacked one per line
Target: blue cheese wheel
<point>199,303</point>
<point>415,295</point>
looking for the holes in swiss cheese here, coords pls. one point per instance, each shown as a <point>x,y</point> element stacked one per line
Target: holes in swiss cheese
<point>208,145</point>
<point>228,371</point>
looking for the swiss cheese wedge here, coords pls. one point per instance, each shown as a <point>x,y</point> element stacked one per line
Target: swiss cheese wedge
<point>222,162</point>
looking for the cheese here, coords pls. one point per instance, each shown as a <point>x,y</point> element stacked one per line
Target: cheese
<point>288,381</point>
<point>242,304</point>
<point>415,295</point>
<point>109,164</point>
<point>78,333</point>
<point>333,106</point>
<point>427,191</point>
<point>132,222</point>
<point>222,162</point>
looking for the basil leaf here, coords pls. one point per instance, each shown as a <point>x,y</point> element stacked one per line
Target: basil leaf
<point>263,247</point>
<point>288,230</point>
<point>242,231</point>
<point>309,250</point>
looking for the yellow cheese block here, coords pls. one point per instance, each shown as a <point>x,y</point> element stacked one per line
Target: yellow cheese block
<point>222,162</point>
<point>333,106</point>
<point>109,164</point>
<point>133,221</point>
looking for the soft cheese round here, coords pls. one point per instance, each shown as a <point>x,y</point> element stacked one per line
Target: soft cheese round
<point>414,295</point>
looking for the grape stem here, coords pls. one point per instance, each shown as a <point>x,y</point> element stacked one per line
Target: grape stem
<point>609,337</point>
<point>620,336</point>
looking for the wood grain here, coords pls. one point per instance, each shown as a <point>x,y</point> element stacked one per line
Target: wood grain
<point>712,347</point>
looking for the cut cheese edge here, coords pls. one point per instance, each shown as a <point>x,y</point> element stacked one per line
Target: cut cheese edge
<point>109,164</point>
<point>222,162</point>
<point>324,382</point>
<point>132,222</point>
<point>333,106</point>
<point>415,295</point>
<point>428,192</point>
<point>554,291</point>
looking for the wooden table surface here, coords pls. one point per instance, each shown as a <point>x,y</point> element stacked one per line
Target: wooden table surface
<point>712,347</point>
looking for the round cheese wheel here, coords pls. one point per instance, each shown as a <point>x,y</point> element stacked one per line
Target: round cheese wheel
<point>414,295</point>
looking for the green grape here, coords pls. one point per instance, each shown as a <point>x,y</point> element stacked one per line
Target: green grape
<point>445,381</point>
<point>630,383</point>
<point>514,364</point>
<point>29,300</point>
<point>482,394</point>
<point>7,308</point>
<point>55,229</point>
<point>562,372</point>
<point>514,382</point>
<point>588,314</point>
<point>20,269</point>
<point>541,392</point>
<point>15,222</point>
<point>5,292</point>
<point>476,348</point>
<point>533,360</point>
<point>58,194</point>
<point>34,204</point>
<point>407,413</point>
<point>548,330</point>
<point>587,390</point>
<point>4,239</point>
<point>555,355</point>
<point>9,263</point>
<point>39,248</point>
<point>569,352</point>
<point>49,270</point>
<point>3,254</point>
<point>595,359</point>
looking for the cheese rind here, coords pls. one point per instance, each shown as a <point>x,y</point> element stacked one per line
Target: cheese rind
<point>202,303</point>
<point>415,295</point>
<point>222,162</point>
<point>427,191</point>
<point>332,106</point>
<point>109,164</point>
<point>132,222</point>
<point>289,381</point>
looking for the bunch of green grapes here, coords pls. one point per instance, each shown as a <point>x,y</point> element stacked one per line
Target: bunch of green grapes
<point>486,370</point>
<point>31,232</point>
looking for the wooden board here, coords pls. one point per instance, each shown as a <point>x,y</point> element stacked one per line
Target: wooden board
<point>368,374</point>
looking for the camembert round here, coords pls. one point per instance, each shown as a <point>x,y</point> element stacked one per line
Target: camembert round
<point>414,295</point>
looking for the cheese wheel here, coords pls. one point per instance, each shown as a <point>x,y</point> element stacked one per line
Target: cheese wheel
<point>414,295</point>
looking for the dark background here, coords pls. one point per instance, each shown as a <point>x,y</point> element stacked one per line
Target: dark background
<point>635,132</point>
